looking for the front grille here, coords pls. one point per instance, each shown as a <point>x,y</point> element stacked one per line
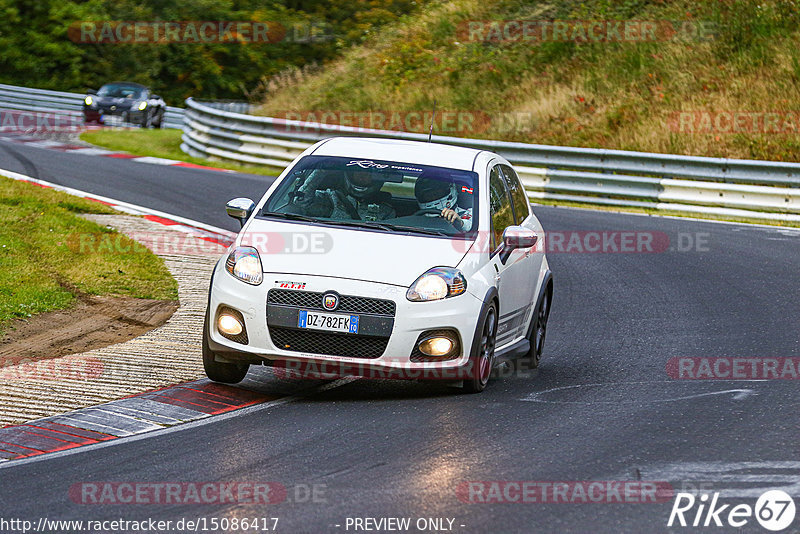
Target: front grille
<point>330,344</point>
<point>418,356</point>
<point>310,300</point>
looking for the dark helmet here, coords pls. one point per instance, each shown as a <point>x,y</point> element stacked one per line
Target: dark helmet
<point>362,183</point>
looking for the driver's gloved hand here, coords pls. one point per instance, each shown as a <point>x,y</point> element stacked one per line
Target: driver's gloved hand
<point>452,217</point>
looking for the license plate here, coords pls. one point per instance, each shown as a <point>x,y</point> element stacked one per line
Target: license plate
<point>330,322</point>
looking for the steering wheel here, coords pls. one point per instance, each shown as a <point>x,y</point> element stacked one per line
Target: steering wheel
<point>428,211</point>
<point>458,224</point>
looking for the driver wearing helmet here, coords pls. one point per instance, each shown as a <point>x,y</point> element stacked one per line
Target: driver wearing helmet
<point>439,193</point>
<point>364,194</point>
<point>360,198</point>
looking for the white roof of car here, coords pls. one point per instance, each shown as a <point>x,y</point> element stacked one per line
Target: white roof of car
<point>451,157</point>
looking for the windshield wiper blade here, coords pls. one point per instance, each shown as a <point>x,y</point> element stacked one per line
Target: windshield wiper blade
<point>360,224</point>
<point>390,227</point>
<point>290,216</point>
<point>426,231</point>
<point>305,218</point>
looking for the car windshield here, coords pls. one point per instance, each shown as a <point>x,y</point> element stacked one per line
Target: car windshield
<point>386,195</point>
<point>120,90</point>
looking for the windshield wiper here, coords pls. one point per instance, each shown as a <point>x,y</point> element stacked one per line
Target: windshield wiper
<point>426,231</point>
<point>388,227</point>
<point>394,227</point>
<point>305,218</point>
<point>360,224</point>
<point>290,216</point>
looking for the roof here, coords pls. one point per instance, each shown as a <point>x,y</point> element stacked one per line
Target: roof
<point>435,154</point>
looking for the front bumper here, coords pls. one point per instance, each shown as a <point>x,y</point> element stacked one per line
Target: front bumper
<point>96,113</point>
<point>410,320</point>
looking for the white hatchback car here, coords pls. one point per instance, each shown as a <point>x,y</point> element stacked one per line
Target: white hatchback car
<point>385,258</point>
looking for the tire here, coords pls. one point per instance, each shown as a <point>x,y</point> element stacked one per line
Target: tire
<point>481,361</point>
<point>539,330</point>
<point>160,123</point>
<point>227,373</point>
<point>147,120</point>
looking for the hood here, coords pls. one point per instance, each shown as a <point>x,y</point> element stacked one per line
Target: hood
<point>121,103</point>
<point>374,256</point>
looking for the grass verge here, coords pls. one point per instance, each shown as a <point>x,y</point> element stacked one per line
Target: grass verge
<point>157,143</point>
<point>42,269</point>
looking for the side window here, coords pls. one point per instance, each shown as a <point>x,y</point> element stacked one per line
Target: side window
<point>499,206</point>
<point>518,195</point>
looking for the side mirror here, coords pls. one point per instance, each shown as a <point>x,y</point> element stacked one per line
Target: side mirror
<point>515,237</point>
<point>240,209</point>
<point>155,97</point>
<point>91,92</point>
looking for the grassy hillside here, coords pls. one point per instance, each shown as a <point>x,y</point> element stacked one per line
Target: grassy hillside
<point>728,59</point>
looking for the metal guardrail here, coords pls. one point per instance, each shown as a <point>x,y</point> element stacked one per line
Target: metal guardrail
<point>728,187</point>
<point>25,99</point>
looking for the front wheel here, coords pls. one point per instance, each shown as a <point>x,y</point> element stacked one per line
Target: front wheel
<point>227,373</point>
<point>482,360</point>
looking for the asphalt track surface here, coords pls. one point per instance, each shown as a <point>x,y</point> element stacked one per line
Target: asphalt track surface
<point>601,407</point>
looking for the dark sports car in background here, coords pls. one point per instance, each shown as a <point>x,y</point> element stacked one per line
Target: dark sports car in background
<point>131,102</point>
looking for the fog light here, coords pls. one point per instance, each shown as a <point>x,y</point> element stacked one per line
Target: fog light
<point>230,325</point>
<point>436,346</point>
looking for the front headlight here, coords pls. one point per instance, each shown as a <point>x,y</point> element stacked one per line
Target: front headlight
<point>436,284</point>
<point>142,105</point>
<point>88,100</point>
<point>244,263</point>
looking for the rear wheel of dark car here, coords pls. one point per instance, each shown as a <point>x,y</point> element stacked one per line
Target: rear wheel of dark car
<point>482,360</point>
<point>227,373</point>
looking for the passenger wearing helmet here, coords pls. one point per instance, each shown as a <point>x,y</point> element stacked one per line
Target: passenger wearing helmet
<point>439,193</point>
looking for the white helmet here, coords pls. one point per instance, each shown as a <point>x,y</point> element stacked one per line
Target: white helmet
<point>435,194</point>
